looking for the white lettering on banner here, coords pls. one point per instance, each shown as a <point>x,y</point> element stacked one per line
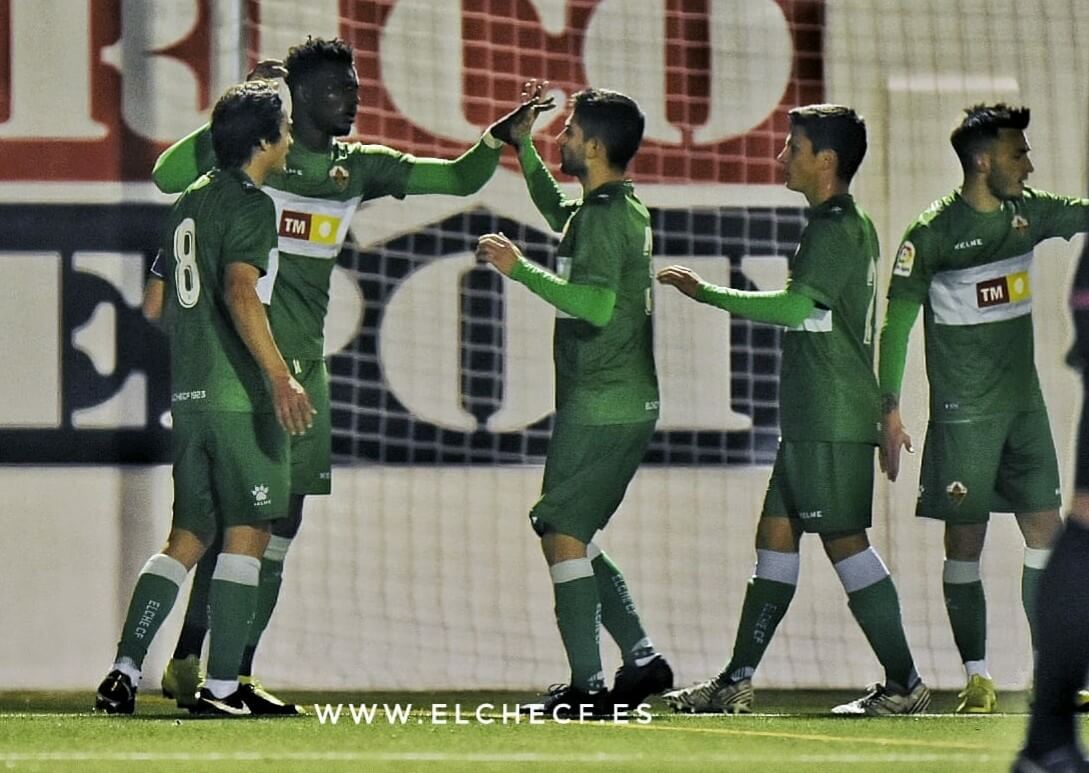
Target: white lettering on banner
<point>30,303</point>
<point>419,348</point>
<point>752,54</point>
<point>427,88</point>
<point>639,71</point>
<point>51,71</point>
<point>163,102</point>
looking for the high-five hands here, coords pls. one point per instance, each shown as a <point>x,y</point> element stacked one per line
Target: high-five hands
<point>500,251</point>
<point>518,123</point>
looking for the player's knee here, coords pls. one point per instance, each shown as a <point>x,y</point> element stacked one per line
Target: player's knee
<point>844,545</point>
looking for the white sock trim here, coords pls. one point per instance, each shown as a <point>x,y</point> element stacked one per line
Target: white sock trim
<point>976,667</point>
<point>1037,558</point>
<point>960,572</point>
<point>568,571</point>
<point>778,567</point>
<point>221,688</point>
<point>166,567</point>
<point>129,669</point>
<point>234,567</point>
<point>593,551</point>
<point>277,548</point>
<point>861,570</point>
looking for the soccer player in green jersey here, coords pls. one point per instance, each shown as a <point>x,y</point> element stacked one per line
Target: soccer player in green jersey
<point>233,396</point>
<point>324,182</point>
<point>606,389</point>
<point>966,261</point>
<point>822,480</point>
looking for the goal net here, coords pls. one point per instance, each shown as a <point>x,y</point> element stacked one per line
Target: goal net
<point>420,571</point>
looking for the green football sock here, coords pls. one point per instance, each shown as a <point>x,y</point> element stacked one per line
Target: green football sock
<point>872,599</point>
<point>966,605</point>
<point>766,601</point>
<point>234,598</point>
<point>152,599</point>
<point>268,592</point>
<point>877,610</point>
<point>1031,572</point>
<point>618,613</point>
<point>578,614</point>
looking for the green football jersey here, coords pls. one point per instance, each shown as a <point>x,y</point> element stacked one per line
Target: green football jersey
<point>971,272</point>
<point>827,387</point>
<point>606,375</point>
<point>315,199</point>
<point>221,219</point>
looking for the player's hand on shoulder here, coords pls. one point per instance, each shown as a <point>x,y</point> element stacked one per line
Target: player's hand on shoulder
<point>267,69</point>
<point>292,405</point>
<point>683,278</point>
<point>498,250</point>
<point>518,123</point>
<point>894,437</point>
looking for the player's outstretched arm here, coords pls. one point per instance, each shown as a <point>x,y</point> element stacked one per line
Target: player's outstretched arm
<point>289,399</point>
<point>586,302</point>
<point>779,307</point>
<point>187,159</point>
<point>467,174</point>
<point>899,319</point>
<point>184,161</point>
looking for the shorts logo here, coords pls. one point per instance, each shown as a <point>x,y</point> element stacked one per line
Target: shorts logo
<point>260,495</point>
<point>957,491</point>
<point>1004,289</point>
<point>905,260</point>
<point>322,229</point>
<point>811,515</point>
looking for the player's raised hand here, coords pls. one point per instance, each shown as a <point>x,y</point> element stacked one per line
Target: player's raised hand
<point>518,123</point>
<point>500,251</point>
<point>267,69</point>
<point>894,436</point>
<point>292,405</point>
<point>684,279</point>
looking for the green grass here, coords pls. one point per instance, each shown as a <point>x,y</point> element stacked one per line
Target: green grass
<point>42,731</point>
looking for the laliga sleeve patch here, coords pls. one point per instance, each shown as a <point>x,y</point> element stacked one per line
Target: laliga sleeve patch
<point>905,260</point>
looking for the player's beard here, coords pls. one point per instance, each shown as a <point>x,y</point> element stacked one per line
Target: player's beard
<point>576,167</point>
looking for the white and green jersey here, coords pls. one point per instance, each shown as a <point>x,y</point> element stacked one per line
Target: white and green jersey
<point>972,272</point>
<point>827,387</point>
<point>315,199</point>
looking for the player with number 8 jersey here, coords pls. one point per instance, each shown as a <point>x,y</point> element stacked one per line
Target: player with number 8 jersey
<point>211,369</point>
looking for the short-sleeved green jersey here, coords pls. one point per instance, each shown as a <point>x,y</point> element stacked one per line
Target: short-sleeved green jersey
<point>315,198</point>
<point>222,218</point>
<point>827,387</point>
<point>606,375</point>
<point>971,272</point>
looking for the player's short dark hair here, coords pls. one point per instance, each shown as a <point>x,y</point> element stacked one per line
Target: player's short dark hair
<point>837,128</point>
<point>613,118</point>
<point>980,127</point>
<point>245,115</point>
<point>310,57</point>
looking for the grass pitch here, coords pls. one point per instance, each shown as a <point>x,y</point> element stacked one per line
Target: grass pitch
<point>55,731</point>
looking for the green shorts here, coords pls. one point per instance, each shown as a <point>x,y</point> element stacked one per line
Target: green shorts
<point>827,487</point>
<point>311,452</point>
<point>1003,463</point>
<point>586,473</point>
<point>230,469</point>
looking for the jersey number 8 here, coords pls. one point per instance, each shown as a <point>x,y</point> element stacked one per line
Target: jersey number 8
<point>186,276</point>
